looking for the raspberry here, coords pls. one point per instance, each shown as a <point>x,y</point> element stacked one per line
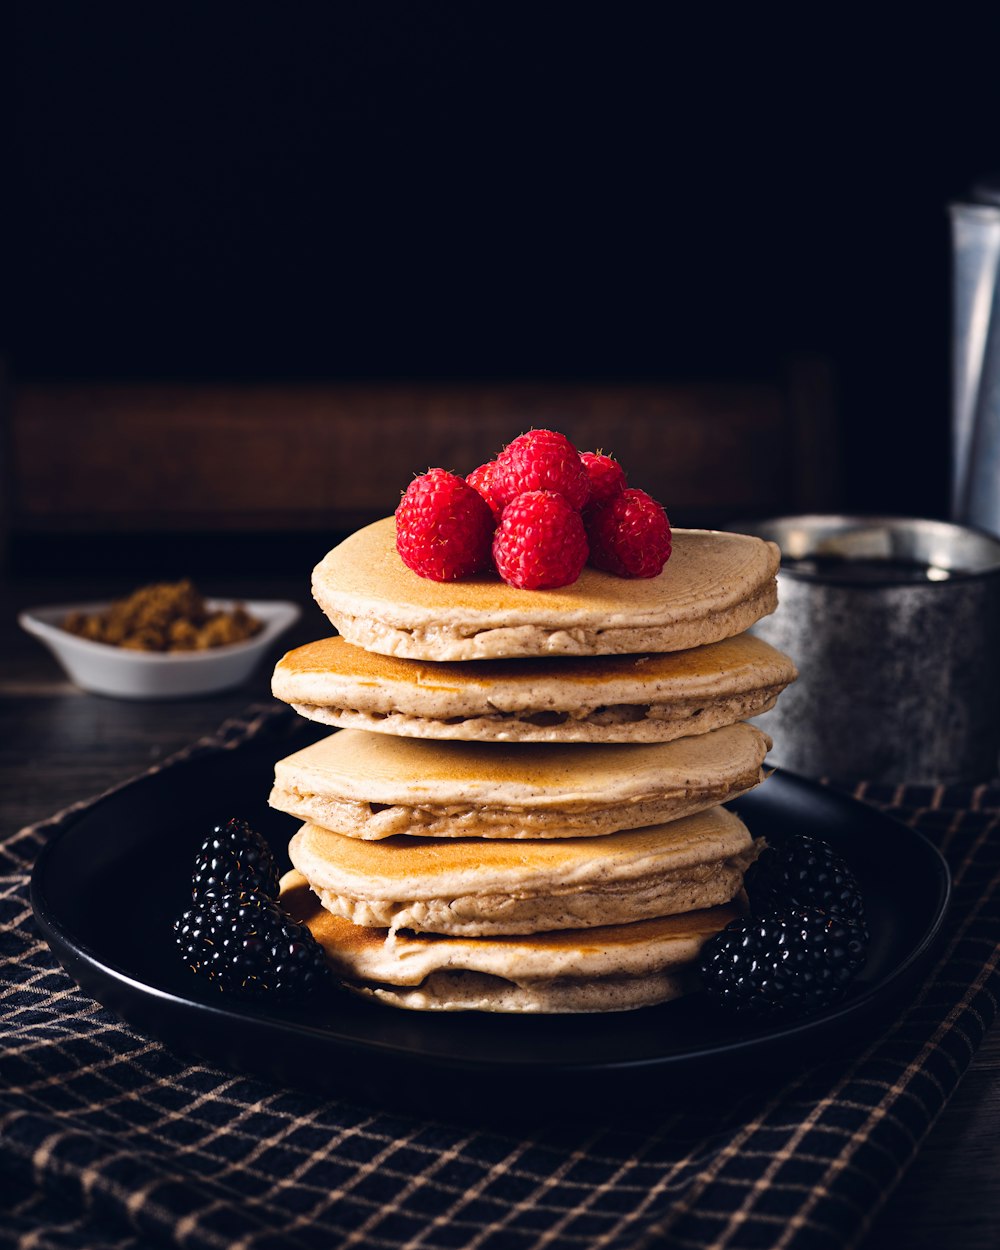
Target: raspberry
<point>541,460</point>
<point>630,535</point>
<point>540,542</point>
<point>443,527</point>
<point>607,477</point>
<point>482,480</point>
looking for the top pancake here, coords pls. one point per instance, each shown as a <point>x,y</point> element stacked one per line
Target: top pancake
<point>714,585</point>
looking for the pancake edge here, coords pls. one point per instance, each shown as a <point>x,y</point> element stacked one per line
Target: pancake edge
<point>464,642</point>
<point>661,722</point>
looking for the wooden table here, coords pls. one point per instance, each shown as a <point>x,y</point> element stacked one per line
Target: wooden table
<point>58,745</point>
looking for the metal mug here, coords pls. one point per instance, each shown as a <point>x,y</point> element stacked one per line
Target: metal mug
<point>894,624</point>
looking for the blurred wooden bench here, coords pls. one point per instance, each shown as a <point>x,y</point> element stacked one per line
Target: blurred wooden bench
<point>109,459</point>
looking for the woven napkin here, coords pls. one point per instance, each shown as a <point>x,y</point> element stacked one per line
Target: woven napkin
<point>109,1140</point>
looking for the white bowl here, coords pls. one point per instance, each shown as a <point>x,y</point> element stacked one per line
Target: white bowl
<point>128,674</point>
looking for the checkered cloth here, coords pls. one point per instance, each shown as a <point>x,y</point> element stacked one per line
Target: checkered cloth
<point>108,1140</point>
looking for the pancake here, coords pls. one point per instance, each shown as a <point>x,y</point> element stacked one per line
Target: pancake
<point>714,585</point>
<point>642,698</point>
<point>472,887</point>
<point>609,968</point>
<point>372,786</point>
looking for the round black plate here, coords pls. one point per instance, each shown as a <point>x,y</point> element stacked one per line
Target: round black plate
<point>108,885</point>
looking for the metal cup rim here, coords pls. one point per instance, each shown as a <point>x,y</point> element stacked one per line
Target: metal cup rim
<point>951,546</point>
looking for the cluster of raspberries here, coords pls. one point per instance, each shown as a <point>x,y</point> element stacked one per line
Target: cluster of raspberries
<point>537,514</point>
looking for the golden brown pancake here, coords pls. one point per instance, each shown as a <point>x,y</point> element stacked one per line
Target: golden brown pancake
<point>472,887</point>
<point>714,585</point>
<point>610,968</point>
<point>372,786</point>
<point>612,698</point>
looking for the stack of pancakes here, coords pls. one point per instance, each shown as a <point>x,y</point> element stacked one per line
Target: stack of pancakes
<point>521,810</point>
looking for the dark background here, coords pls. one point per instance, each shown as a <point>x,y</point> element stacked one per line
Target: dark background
<point>212,191</point>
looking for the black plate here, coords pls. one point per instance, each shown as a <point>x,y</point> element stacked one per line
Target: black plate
<point>107,886</point>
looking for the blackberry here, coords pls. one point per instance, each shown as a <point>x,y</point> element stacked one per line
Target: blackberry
<point>246,944</point>
<point>795,961</point>
<point>803,872</point>
<point>234,859</point>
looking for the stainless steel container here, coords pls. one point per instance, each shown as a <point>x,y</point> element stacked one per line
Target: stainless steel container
<point>894,624</point>
<point>975,485</point>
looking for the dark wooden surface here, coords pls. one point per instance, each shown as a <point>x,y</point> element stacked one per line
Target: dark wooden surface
<point>58,745</point>
<point>186,458</point>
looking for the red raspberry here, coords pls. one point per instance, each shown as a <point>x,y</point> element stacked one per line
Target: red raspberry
<point>482,480</point>
<point>540,542</point>
<point>607,477</point>
<point>630,535</point>
<point>541,460</point>
<point>443,527</point>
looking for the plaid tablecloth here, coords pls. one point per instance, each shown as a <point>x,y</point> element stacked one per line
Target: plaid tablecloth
<point>109,1140</point>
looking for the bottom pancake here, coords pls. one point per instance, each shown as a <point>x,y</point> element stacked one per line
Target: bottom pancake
<point>471,991</point>
<point>607,968</point>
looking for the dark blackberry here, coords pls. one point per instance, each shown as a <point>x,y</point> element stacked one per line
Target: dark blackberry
<point>246,944</point>
<point>234,859</point>
<point>803,872</point>
<point>794,962</point>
